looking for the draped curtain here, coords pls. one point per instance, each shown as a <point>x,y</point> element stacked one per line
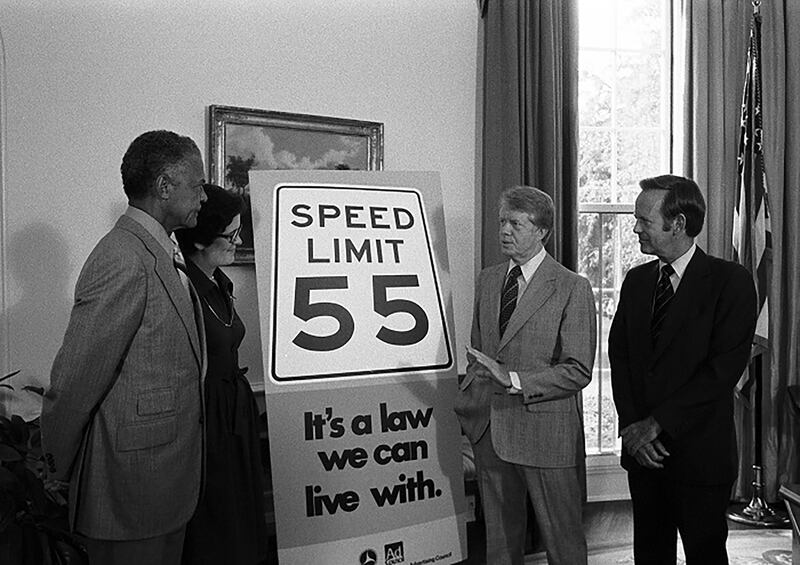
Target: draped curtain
<point>530,108</point>
<point>716,37</point>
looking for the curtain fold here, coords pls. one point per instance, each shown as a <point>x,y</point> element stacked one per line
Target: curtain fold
<point>530,127</point>
<point>717,33</point>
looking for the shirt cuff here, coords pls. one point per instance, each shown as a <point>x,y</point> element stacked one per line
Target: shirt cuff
<point>516,387</point>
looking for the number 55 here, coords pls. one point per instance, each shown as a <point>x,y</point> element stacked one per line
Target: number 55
<point>307,310</point>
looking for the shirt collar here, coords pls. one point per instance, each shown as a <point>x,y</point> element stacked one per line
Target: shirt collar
<point>681,262</point>
<point>529,268</point>
<point>153,227</point>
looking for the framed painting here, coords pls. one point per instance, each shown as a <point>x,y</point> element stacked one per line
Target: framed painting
<point>245,139</point>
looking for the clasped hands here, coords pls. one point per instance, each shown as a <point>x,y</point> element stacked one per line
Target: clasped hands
<point>640,441</point>
<point>492,369</point>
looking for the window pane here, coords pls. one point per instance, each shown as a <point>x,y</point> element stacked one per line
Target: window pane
<point>639,155</point>
<point>594,96</point>
<point>643,23</point>
<point>589,247</point>
<point>639,103</point>
<point>594,167</point>
<point>624,137</point>
<point>628,248</point>
<point>596,23</point>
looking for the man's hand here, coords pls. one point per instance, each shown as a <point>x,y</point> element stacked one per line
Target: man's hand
<point>651,455</point>
<point>635,436</point>
<point>494,370</point>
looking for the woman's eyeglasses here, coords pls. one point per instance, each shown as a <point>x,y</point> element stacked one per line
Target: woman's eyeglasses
<point>232,236</point>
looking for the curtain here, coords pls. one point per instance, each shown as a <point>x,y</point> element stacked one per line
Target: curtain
<point>530,110</point>
<point>716,36</point>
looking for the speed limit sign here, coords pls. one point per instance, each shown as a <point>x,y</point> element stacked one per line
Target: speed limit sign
<point>355,288</point>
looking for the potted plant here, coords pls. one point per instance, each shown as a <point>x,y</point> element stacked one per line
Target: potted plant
<point>33,519</point>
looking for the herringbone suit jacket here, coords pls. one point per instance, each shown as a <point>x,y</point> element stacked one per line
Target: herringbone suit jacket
<point>550,342</point>
<point>122,420</point>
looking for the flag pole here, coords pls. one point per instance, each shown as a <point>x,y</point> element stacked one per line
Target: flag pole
<point>758,511</point>
<point>752,248</point>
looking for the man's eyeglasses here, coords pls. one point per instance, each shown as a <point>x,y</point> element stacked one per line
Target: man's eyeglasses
<point>232,236</point>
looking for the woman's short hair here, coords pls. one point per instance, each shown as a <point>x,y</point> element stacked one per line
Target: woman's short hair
<point>683,197</point>
<point>216,214</point>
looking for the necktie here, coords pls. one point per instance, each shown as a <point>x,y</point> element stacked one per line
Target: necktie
<point>180,266</point>
<point>508,300</point>
<point>664,293</point>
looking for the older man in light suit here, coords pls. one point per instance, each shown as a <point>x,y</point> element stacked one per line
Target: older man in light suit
<point>122,420</point>
<point>533,345</point>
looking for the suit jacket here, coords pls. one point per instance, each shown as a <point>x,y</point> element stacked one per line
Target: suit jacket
<point>550,341</point>
<point>686,379</point>
<point>122,420</point>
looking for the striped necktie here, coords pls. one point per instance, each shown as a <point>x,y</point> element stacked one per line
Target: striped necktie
<point>508,300</point>
<point>664,294</point>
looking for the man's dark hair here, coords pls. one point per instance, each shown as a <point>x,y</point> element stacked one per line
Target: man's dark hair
<point>216,213</point>
<point>149,156</point>
<point>536,203</point>
<point>683,197</point>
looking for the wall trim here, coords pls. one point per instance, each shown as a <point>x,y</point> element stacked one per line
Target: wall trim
<point>605,479</point>
<point>5,330</point>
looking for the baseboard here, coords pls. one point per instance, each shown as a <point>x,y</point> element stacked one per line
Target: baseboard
<point>605,479</point>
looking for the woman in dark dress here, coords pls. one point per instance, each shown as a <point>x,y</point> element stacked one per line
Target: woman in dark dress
<point>229,525</point>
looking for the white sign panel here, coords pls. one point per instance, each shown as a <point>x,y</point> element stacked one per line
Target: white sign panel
<point>355,288</point>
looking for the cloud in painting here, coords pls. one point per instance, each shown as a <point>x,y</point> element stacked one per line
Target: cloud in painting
<point>292,149</point>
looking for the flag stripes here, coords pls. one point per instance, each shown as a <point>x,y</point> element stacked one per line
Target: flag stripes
<point>752,236</point>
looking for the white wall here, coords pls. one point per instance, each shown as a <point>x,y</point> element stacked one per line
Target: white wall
<point>82,78</point>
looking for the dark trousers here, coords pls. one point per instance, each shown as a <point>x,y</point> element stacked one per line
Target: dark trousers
<point>663,507</point>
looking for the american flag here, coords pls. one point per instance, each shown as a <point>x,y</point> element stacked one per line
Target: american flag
<point>752,237</point>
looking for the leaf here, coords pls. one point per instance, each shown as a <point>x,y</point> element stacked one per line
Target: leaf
<point>35,389</point>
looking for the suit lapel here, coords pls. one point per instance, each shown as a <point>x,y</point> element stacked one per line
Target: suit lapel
<point>494,287</point>
<point>165,271</point>
<point>643,295</point>
<point>541,286</point>
<point>692,289</point>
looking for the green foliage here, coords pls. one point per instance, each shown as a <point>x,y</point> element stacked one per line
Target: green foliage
<point>33,519</point>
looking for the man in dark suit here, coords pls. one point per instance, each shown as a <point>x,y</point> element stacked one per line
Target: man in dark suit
<point>534,333</point>
<point>680,341</point>
<point>122,420</point>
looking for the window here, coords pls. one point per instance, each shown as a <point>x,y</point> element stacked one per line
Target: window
<point>625,132</point>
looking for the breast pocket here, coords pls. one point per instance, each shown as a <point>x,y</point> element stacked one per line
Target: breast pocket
<point>155,402</point>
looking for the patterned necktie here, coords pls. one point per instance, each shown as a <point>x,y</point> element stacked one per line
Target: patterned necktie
<point>664,293</point>
<point>508,300</point>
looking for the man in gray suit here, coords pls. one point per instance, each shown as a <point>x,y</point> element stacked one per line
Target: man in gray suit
<point>122,420</point>
<point>533,343</point>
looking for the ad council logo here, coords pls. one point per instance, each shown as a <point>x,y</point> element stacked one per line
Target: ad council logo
<point>393,553</point>
<point>368,557</point>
